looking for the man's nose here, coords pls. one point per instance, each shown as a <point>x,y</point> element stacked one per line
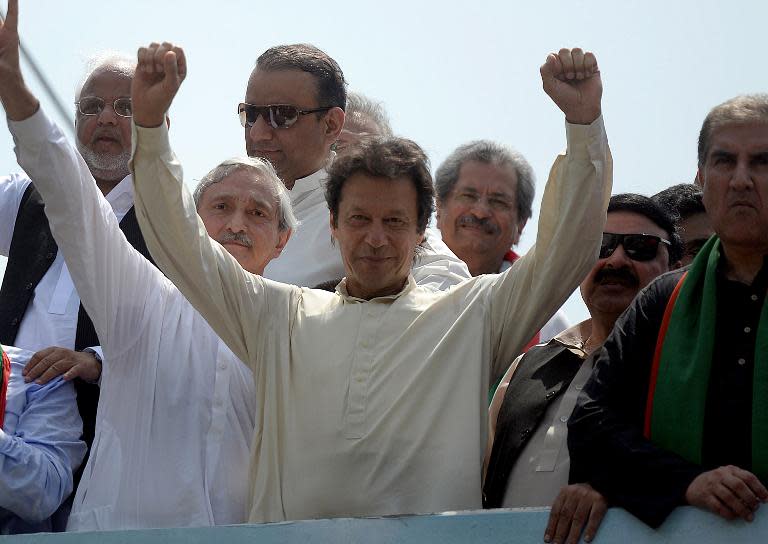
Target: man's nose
<point>260,130</point>
<point>741,180</point>
<point>618,258</point>
<point>107,115</point>
<point>480,208</point>
<point>236,221</point>
<point>376,237</point>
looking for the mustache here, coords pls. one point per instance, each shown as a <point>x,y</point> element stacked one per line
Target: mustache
<point>238,237</point>
<point>108,132</point>
<point>484,224</point>
<point>623,276</point>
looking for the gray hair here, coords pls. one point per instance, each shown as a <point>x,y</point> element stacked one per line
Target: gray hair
<point>359,105</point>
<point>265,172</point>
<point>113,61</point>
<point>747,108</point>
<point>488,152</point>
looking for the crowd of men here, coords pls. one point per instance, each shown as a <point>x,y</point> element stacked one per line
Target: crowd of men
<point>295,341</point>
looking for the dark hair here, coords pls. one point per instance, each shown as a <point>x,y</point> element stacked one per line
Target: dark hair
<point>681,201</point>
<point>747,108</point>
<point>642,205</point>
<point>386,158</point>
<point>488,152</point>
<point>331,86</point>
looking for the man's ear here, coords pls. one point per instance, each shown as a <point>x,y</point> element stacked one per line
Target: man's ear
<point>283,237</point>
<point>520,227</point>
<point>699,179</point>
<point>334,122</point>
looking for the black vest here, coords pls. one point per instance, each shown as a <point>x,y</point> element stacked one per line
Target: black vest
<point>32,252</point>
<point>543,373</point>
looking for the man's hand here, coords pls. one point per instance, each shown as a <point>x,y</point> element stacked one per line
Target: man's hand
<point>18,101</point>
<point>572,80</point>
<point>159,73</point>
<point>49,363</point>
<point>575,506</point>
<point>727,491</point>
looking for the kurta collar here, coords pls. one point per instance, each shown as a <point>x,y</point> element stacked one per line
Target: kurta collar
<point>341,289</point>
<point>121,196</point>
<point>310,183</point>
<point>575,337</point>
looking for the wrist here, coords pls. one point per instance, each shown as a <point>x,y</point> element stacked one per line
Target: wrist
<point>18,101</point>
<point>148,119</point>
<point>583,117</point>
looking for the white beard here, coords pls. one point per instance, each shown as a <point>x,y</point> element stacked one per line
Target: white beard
<point>105,166</point>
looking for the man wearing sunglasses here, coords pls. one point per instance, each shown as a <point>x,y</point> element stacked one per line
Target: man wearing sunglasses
<point>676,411</point>
<point>685,203</point>
<point>528,462</point>
<point>372,397</point>
<point>292,115</point>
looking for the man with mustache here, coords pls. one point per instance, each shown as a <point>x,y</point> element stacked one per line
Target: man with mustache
<point>178,409</point>
<point>484,199</point>
<point>528,462</point>
<point>676,411</point>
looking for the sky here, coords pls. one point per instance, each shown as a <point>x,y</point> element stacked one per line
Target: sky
<point>447,72</point>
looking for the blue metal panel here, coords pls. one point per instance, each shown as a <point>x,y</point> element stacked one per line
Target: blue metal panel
<point>686,525</point>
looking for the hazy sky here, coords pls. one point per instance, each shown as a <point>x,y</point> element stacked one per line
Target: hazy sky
<point>447,72</point>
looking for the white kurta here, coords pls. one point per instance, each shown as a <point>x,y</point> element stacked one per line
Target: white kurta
<point>374,407</point>
<point>177,409</point>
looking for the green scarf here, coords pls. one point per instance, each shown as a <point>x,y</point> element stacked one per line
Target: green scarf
<point>680,377</point>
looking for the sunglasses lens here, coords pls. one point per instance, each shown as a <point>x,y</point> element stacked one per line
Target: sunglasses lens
<point>90,105</point>
<point>283,116</point>
<point>123,107</point>
<point>608,245</point>
<point>641,247</point>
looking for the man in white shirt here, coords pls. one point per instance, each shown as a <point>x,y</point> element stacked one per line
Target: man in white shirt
<point>177,410</point>
<point>372,398</point>
<point>300,79</point>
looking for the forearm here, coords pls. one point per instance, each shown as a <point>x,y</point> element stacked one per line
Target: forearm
<point>18,101</point>
<point>33,480</point>
<point>569,232</point>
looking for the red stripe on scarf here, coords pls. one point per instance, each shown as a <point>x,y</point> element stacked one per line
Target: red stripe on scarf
<point>657,357</point>
<point>4,389</point>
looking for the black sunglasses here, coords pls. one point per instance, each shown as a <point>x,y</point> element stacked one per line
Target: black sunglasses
<point>638,247</point>
<point>277,115</point>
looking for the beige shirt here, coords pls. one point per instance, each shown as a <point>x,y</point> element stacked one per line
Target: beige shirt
<point>376,407</point>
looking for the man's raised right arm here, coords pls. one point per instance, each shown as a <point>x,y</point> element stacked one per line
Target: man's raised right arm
<point>230,298</point>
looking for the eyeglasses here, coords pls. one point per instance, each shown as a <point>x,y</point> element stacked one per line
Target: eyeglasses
<point>93,105</point>
<point>277,115</point>
<point>638,247</point>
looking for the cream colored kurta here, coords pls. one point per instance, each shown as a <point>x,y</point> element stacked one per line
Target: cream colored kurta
<point>374,407</point>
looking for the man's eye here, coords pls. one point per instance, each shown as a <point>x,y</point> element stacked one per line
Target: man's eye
<point>219,206</point>
<point>500,204</point>
<point>468,196</point>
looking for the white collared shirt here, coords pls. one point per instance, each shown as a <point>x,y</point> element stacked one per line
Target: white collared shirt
<point>374,407</point>
<point>51,317</point>
<point>176,411</point>
<point>310,258</point>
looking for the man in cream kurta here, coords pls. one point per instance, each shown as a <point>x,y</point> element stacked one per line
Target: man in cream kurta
<point>372,407</point>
